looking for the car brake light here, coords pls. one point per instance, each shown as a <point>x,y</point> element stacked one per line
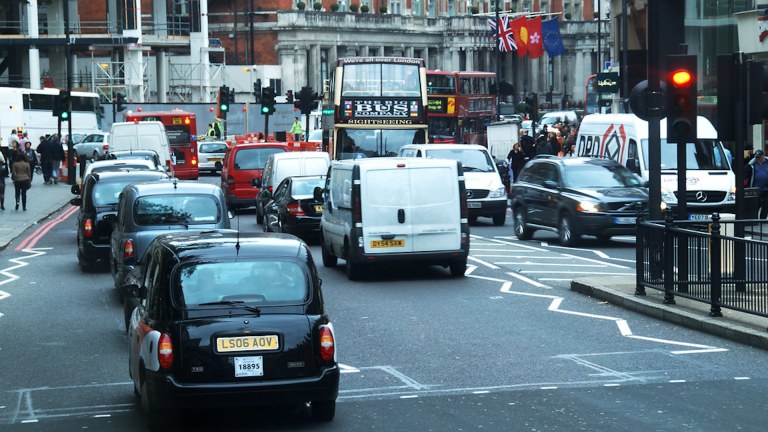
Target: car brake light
<point>88,228</point>
<point>194,161</point>
<point>327,346</point>
<point>128,249</point>
<point>165,351</point>
<point>295,209</point>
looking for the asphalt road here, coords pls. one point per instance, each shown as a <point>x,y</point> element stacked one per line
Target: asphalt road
<point>508,347</point>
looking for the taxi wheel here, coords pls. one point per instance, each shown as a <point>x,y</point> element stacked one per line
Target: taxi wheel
<point>323,410</point>
<point>155,417</point>
<point>86,266</point>
<point>260,217</point>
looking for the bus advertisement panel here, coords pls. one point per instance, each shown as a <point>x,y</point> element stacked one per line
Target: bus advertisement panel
<point>181,129</point>
<point>375,106</point>
<point>460,107</point>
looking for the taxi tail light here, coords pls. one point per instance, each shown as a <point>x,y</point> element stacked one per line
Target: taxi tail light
<point>295,209</point>
<point>165,351</point>
<point>128,251</point>
<point>327,343</point>
<point>88,228</point>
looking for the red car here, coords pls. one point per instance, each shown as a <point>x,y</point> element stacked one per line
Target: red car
<point>242,164</point>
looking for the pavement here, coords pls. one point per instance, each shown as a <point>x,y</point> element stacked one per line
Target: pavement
<point>45,201</point>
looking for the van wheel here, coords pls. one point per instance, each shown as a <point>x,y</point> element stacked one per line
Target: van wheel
<point>458,268</point>
<point>566,231</point>
<point>328,259</point>
<point>499,219</point>
<point>521,229</point>
<point>355,271</point>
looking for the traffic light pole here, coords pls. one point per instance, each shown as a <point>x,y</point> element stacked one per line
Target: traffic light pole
<point>70,147</point>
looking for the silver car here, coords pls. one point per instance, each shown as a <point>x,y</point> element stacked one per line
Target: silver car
<point>209,156</point>
<point>93,146</point>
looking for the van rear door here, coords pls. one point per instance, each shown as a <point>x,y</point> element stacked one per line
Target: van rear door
<point>413,208</point>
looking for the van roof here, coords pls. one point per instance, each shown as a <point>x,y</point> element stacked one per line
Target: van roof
<point>392,162</point>
<point>704,128</point>
<point>301,154</point>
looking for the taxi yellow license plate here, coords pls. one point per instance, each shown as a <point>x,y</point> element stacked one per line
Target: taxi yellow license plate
<point>247,343</point>
<point>387,243</point>
<point>318,208</point>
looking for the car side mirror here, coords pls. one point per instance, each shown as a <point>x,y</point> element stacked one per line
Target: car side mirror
<point>75,189</point>
<point>633,166</point>
<point>551,184</point>
<point>77,202</point>
<point>110,218</point>
<point>133,290</point>
<point>256,182</point>
<point>317,193</point>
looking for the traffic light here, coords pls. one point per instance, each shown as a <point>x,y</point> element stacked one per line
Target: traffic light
<point>268,101</point>
<point>757,83</point>
<point>257,90</point>
<point>120,103</point>
<point>306,100</point>
<point>289,96</point>
<point>224,100</point>
<point>532,107</point>
<point>681,98</point>
<point>65,105</point>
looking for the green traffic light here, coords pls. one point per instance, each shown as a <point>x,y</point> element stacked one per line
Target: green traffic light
<point>265,109</point>
<point>224,107</point>
<point>64,115</point>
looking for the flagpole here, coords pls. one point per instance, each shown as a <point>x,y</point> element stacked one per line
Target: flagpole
<point>498,62</point>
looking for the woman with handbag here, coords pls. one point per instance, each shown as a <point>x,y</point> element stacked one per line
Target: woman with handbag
<point>20,174</point>
<point>3,175</point>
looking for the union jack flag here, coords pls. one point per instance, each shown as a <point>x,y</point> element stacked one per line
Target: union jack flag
<point>505,36</point>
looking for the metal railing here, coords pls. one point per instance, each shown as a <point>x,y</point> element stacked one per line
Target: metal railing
<point>720,262</point>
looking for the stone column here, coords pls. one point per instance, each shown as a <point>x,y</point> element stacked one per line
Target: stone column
<point>134,59</point>
<point>161,65</point>
<point>34,53</point>
<point>198,54</point>
<point>455,60</point>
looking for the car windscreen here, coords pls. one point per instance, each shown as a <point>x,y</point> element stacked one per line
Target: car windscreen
<point>176,209</point>
<point>253,282</point>
<point>590,176</point>
<point>471,159</point>
<point>704,154</point>
<point>363,143</point>
<point>305,187</point>
<point>107,193</point>
<point>254,158</point>
<point>213,148</point>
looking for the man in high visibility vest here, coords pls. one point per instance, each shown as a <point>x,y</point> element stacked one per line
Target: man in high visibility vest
<point>296,129</point>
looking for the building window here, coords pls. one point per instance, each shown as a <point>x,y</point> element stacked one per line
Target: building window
<point>394,7</point>
<point>324,65</point>
<point>418,7</point>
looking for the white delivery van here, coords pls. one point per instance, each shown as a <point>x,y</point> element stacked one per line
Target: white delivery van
<point>486,194</point>
<point>502,136</point>
<point>711,184</point>
<point>145,135</point>
<point>384,210</point>
<point>287,164</point>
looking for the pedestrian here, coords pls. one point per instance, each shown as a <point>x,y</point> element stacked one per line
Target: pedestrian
<point>45,150</point>
<point>20,174</point>
<point>516,159</point>
<point>58,156</point>
<point>759,179</point>
<point>14,138</point>
<point>554,144</point>
<point>528,145</point>
<point>542,145</point>
<point>12,150</point>
<point>211,131</point>
<point>3,175</point>
<point>296,129</point>
<point>31,158</point>
<point>218,126</point>
<point>260,137</point>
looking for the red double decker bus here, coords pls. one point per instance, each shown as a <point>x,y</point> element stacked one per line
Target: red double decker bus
<point>460,106</point>
<point>181,128</point>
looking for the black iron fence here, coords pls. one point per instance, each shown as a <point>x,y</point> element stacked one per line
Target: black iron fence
<point>721,262</point>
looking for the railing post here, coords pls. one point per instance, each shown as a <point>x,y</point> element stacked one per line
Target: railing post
<point>669,261</point>
<point>715,267</point>
<point>640,244</point>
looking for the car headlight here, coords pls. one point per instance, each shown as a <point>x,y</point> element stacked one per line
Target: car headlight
<point>668,197</point>
<point>498,193</point>
<point>731,195</point>
<point>588,207</point>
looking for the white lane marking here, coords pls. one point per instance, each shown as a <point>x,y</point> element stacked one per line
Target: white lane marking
<point>479,261</point>
<point>347,369</point>
<point>528,280</point>
<point>677,381</point>
<point>19,263</point>
<point>741,378</point>
<point>481,392</point>
<point>409,396</point>
<point>548,388</point>
<point>576,272</point>
<point>596,261</point>
<point>545,264</point>
<point>611,385</point>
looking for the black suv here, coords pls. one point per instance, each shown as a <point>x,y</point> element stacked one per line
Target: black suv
<point>100,196</point>
<point>575,196</point>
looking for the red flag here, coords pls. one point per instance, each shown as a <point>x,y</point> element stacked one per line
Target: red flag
<point>518,27</point>
<point>535,40</point>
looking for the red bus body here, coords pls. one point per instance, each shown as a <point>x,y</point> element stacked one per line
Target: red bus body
<point>460,107</point>
<point>181,128</point>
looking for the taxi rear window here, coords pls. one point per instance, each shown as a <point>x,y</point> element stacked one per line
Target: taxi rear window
<point>247,282</point>
<point>176,209</point>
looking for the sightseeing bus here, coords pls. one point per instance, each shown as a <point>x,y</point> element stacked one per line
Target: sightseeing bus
<point>181,128</point>
<point>375,106</point>
<point>461,105</point>
<point>31,111</point>
<point>591,96</point>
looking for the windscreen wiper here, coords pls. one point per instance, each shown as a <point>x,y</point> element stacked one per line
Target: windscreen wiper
<point>236,303</point>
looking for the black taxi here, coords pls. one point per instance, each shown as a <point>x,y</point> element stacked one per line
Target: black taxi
<point>226,320</point>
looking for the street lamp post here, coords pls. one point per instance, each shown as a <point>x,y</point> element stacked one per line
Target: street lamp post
<point>599,54</point>
<point>498,64</point>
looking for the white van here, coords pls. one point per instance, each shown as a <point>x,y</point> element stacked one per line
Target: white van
<point>287,164</point>
<point>380,210</point>
<point>145,135</point>
<point>711,184</point>
<point>486,194</point>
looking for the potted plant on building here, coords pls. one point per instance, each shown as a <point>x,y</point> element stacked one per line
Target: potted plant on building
<point>568,16</point>
<point>317,5</point>
<point>364,8</point>
<point>301,5</point>
<point>354,7</point>
<point>334,7</point>
<point>474,10</point>
<point>382,9</point>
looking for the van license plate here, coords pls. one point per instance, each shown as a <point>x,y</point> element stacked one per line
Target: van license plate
<point>698,217</point>
<point>387,243</point>
<point>474,205</point>
<point>249,366</point>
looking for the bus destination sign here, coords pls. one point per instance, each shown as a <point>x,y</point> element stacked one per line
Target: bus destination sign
<point>360,110</point>
<point>441,105</point>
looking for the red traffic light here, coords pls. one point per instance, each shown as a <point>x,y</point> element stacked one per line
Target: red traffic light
<point>682,78</point>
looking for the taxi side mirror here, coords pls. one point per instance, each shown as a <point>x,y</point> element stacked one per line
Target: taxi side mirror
<point>75,189</point>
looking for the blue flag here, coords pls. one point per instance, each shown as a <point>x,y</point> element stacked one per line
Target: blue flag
<point>553,42</point>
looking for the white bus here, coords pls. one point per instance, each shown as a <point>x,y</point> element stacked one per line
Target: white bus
<point>31,111</point>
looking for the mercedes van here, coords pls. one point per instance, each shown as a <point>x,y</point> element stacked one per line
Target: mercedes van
<point>389,210</point>
<point>145,135</point>
<point>711,184</point>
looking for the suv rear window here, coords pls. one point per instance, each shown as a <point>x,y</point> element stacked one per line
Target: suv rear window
<point>249,281</point>
<point>254,158</point>
<point>175,209</point>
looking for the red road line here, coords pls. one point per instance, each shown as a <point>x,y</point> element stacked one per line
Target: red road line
<point>31,240</point>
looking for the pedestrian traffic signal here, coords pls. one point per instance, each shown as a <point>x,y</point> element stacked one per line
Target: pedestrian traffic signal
<point>268,101</point>
<point>289,96</point>
<point>681,98</point>
<point>757,83</point>
<point>224,100</point>
<point>257,90</point>
<point>120,102</point>
<point>65,105</point>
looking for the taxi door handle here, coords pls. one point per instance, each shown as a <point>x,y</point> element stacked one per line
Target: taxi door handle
<point>401,215</point>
